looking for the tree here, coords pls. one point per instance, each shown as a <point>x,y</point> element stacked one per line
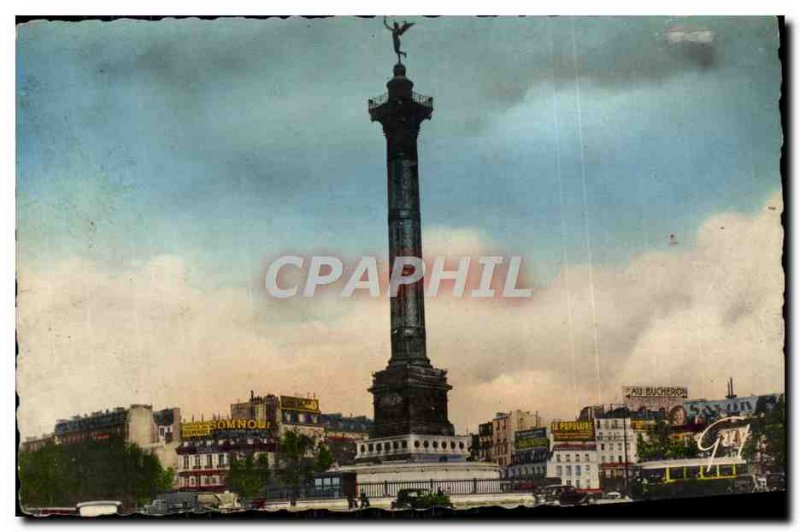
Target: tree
<point>661,445</point>
<point>248,476</point>
<point>768,437</point>
<point>299,459</point>
<point>64,475</point>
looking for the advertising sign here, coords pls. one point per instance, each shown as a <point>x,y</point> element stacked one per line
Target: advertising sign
<point>708,411</point>
<point>671,392</point>
<point>302,404</point>
<point>197,429</point>
<point>642,424</point>
<point>572,430</point>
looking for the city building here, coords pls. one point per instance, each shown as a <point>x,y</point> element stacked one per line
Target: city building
<point>207,449</point>
<point>283,413</point>
<point>531,453</point>
<point>617,449</point>
<point>342,434</point>
<point>504,425</point>
<point>575,463</point>
<point>157,432</point>
<point>34,443</point>
<point>258,408</point>
<point>485,441</point>
<point>136,424</point>
<point>301,415</point>
<point>338,426</point>
<point>574,458</point>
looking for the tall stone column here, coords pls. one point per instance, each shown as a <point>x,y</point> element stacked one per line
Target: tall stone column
<point>401,114</point>
<point>410,396</point>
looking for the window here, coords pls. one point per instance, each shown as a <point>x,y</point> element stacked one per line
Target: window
<point>221,459</point>
<point>569,471</point>
<point>566,457</point>
<point>578,483</point>
<point>724,470</point>
<point>197,460</point>
<point>558,471</point>
<point>404,444</point>
<point>208,460</point>
<point>619,459</point>
<point>619,446</point>
<point>186,462</point>
<point>676,473</point>
<point>602,446</point>
<point>586,457</point>
<point>577,457</point>
<point>577,470</point>
<point>192,481</point>
<point>558,458</point>
<point>588,470</point>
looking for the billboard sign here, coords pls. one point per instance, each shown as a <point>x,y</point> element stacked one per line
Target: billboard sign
<point>572,430</point>
<point>655,392</point>
<point>199,429</point>
<point>302,404</point>
<point>709,411</point>
<point>531,439</point>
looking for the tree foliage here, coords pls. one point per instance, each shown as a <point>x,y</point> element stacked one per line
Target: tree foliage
<point>299,459</point>
<point>661,445</point>
<point>248,476</point>
<point>768,434</point>
<point>64,475</point>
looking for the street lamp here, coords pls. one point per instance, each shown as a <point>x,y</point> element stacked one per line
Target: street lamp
<point>625,417</point>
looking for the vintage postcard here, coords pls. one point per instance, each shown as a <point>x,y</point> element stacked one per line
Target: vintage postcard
<point>421,265</point>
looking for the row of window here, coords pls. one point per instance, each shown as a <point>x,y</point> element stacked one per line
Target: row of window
<point>205,460</point>
<point>611,446</point>
<point>610,459</point>
<point>616,436</point>
<point>610,424</point>
<point>567,470</point>
<point>300,417</point>
<point>586,457</point>
<point>204,480</point>
<point>528,471</point>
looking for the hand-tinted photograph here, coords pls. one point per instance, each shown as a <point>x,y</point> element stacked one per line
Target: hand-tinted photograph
<point>397,267</point>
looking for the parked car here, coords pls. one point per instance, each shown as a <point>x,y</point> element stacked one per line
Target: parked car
<point>560,495</point>
<point>419,499</point>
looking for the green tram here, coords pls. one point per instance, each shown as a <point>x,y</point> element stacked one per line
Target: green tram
<point>692,477</point>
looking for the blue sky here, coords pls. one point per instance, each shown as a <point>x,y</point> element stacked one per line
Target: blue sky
<point>224,141</point>
<point>160,165</point>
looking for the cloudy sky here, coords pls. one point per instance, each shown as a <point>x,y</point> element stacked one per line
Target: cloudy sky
<point>162,165</point>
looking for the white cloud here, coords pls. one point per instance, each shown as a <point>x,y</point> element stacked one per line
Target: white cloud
<point>90,339</point>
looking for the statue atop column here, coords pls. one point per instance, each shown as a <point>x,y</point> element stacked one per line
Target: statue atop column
<point>397,30</point>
